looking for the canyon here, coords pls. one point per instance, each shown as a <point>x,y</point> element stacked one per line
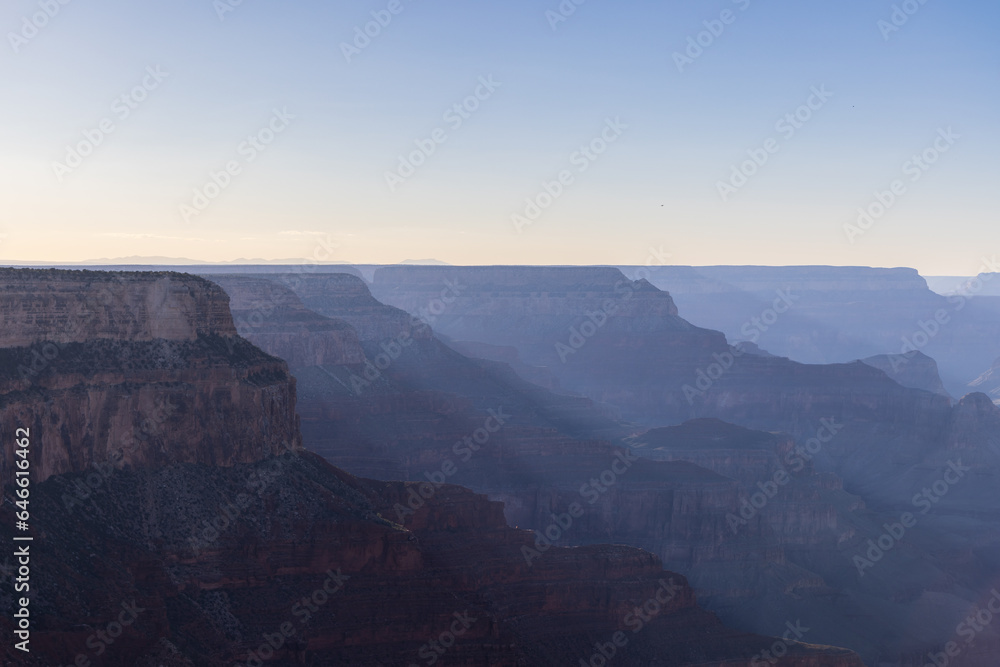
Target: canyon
<point>797,558</point>
<point>179,519</point>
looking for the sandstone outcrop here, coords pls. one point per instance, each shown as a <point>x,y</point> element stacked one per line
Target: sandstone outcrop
<point>62,306</point>
<point>112,369</point>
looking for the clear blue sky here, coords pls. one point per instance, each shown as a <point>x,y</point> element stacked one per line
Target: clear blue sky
<point>323,176</point>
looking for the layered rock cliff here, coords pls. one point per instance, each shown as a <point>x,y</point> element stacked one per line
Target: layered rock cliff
<point>289,561</point>
<point>271,316</point>
<point>77,306</point>
<point>346,297</point>
<point>113,369</point>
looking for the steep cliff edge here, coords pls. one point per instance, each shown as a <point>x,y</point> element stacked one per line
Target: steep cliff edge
<point>111,369</point>
<point>62,306</point>
<point>346,297</point>
<point>272,316</point>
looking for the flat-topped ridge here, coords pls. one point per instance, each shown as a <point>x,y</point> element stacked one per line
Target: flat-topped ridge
<point>69,306</point>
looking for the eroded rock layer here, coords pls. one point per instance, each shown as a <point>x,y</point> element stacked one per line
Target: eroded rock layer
<point>108,369</point>
<point>290,561</point>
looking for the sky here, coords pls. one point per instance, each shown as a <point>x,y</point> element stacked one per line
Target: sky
<point>631,132</point>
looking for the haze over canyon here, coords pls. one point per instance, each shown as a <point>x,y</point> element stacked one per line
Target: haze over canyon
<point>501,466</point>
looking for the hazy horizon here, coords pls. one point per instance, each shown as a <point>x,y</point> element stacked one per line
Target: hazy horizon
<point>152,261</point>
<point>311,125</point>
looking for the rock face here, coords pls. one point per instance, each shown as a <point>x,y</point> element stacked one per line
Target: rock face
<point>173,383</point>
<point>975,422</point>
<point>289,561</point>
<point>915,370</point>
<point>272,317</point>
<point>81,306</point>
<point>348,297</point>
